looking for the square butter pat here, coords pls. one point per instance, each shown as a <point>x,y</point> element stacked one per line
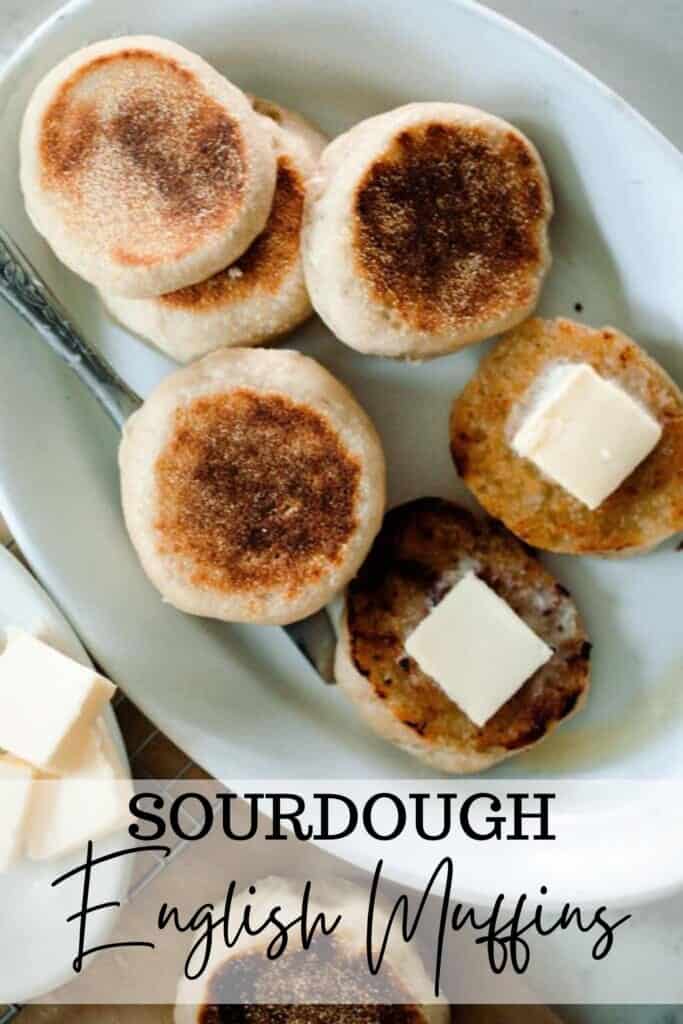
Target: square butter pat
<point>90,803</point>
<point>16,793</point>
<point>47,703</point>
<point>477,649</point>
<point>586,433</point>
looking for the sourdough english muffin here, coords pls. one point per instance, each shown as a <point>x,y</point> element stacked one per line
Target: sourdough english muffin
<point>252,486</point>
<point>263,294</point>
<point>423,550</point>
<point>327,983</point>
<point>143,167</point>
<point>426,230</point>
<point>643,511</point>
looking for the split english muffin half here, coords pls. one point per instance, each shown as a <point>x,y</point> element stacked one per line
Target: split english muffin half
<point>643,511</point>
<point>327,983</point>
<point>424,549</point>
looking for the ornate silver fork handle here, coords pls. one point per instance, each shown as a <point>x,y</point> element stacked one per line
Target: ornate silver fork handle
<point>27,293</point>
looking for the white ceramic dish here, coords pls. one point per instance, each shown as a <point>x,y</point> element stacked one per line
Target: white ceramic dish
<point>36,942</point>
<point>240,700</point>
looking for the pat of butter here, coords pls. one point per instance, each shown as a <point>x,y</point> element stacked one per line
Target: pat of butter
<point>48,703</point>
<point>89,804</point>
<point>586,433</point>
<point>477,648</point>
<point>16,792</point>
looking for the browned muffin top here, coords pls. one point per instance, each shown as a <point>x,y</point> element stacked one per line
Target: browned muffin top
<point>266,262</point>
<point>133,141</point>
<point>448,225</point>
<point>254,492</point>
<point>242,991</point>
<point>422,551</point>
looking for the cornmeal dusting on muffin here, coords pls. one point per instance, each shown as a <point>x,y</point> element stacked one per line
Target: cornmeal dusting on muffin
<point>267,260</point>
<point>239,990</point>
<point>133,144</point>
<point>449,225</point>
<point>254,492</point>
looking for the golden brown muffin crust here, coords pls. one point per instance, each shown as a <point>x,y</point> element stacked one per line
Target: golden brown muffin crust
<point>266,262</point>
<point>254,491</point>
<point>422,551</point>
<point>323,973</point>
<point>164,151</point>
<point>646,508</point>
<point>447,225</point>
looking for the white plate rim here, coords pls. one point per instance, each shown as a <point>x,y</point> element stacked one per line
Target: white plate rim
<point>73,7</point>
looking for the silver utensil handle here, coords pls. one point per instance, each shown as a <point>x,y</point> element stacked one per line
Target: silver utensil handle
<point>27,293</point>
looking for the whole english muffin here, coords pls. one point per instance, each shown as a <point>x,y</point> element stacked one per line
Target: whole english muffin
<point>260,296</point>
<point>328,982</point>
<point>253,485</point>
<point>426,230</point>
<point>645,510</point>
<point>144,169</point>
<point>424,548</point>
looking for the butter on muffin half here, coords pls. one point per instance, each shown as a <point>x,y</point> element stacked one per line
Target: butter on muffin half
<point>426,230</point>
<point>329,982</point>
<point>425,552</point>
<point>252,484</point>
<point>143,167</point>
<point>558,405</point>
<point>262,295</point>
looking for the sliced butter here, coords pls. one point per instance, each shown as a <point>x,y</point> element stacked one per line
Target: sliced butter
<point>586,433</point>
<point>88,804</point>
<point>477,649</point>
<point>48,703</point>
<point>16,792</point>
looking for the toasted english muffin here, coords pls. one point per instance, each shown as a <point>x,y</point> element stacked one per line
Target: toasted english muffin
<point>260,296</point>
<point>423,549</point>
<point>144,169</point>
<point>426,230</point>
<point>327,983</point>
<point>645,510</point>
<point>253,485</point>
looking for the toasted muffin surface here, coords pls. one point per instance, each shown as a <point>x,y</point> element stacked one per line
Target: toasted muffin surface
<point>260,296</point>
<point>422,551</point>
<point>132,136</point>
<point>254,491</point>
<point>143,167</point>
<point>426,229</point>
<point>647,508</point>
<point>267,260</point>
<point>324,973</point>
<point>252,485</point>
<point>323,981</point>
<point>447,224</point>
